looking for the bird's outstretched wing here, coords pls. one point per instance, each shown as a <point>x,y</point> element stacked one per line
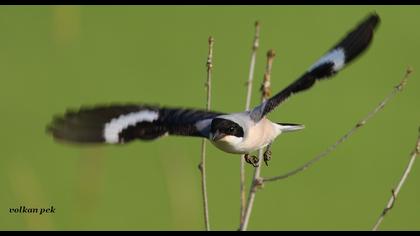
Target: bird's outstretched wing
<point>351,46</point>
<point>123,123</point>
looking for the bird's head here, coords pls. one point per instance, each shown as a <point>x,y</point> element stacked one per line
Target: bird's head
<point>225,130</point>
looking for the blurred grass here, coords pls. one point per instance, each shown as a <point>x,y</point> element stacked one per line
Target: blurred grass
<point>55,57</point>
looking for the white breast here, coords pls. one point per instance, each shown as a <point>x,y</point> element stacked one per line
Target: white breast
<point>229,144</point>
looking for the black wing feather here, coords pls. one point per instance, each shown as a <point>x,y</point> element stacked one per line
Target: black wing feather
<point>87,124</point>
<point>353,44</point>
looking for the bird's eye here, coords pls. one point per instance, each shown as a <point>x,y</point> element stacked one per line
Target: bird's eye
<point>231,129</point>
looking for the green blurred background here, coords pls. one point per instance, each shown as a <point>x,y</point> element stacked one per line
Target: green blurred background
<point>58,57</point>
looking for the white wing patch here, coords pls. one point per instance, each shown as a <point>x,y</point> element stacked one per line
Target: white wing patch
<point>203,126</point>
<point>115,126</point>
<point>336,56</point>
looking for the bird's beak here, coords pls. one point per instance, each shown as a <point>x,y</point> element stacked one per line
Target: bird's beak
<point>218,135</point>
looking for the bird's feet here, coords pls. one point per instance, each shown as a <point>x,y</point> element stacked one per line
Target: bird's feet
<point>267,155</point>
<point>253,160</point>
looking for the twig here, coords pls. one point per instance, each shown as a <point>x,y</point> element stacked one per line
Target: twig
<point>257,181</point>
<point>202,165</point>
<point>395,192</point>
<point>255,46</point>
<point>359,124</point>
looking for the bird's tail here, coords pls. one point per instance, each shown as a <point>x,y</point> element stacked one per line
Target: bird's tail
<point>289,127</point>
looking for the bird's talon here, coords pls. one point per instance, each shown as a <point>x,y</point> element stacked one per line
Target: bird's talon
<point>253,160</point>
<point>247,158</point>
<point>267,156</point>
<point>266,162</point>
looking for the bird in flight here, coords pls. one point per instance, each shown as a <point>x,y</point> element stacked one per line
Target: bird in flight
<point>240,133</point>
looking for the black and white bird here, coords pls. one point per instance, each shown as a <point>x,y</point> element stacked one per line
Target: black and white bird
<point>241,133</point>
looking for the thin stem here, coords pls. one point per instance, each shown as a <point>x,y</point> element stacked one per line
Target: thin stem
<point>359,124</point>
<point>202,165</point>
<point>255,46</point>
<point>395,191</point>
<point>257,181</point>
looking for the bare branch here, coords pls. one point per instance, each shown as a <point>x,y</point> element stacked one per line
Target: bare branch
<point>257,181</point>
<point>395,192</point>
<point>359,124</point>
<point>202,165</point>
<point>255,47</point>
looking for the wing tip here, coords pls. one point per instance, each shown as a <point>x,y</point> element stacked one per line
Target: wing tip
<point>359,39</point>
<point>374,19</point>
<point>66,129</point>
